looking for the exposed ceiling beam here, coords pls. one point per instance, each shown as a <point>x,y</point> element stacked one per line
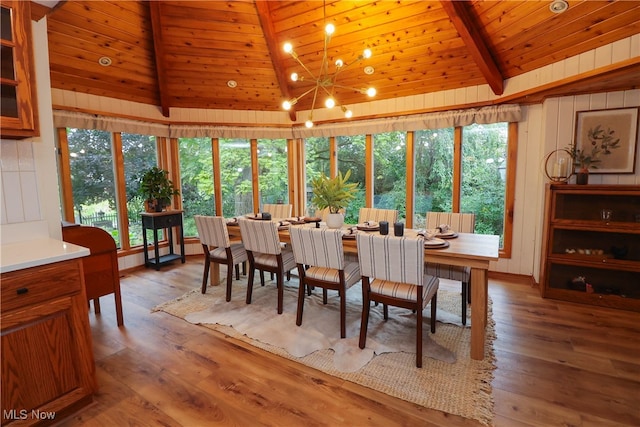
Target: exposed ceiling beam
<point>275,52</point>
<point>156,29</point>
<point>465,24</point>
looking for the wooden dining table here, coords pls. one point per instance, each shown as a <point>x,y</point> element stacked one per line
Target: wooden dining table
<point>467,249</point>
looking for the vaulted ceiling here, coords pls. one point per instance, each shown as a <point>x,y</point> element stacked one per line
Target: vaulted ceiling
<point>185,53</point>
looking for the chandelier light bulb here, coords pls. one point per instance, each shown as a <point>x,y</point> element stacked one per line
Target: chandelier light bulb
<point>339,63</point>
<point>294,77</point>
<point>286,105</point>
<point>288,47</point>
<point>329,29</point>
<point>348,114</point>
<point>308,124</point>
<point>371,92</point>
<point>367,53</point>
<point>330,103</point>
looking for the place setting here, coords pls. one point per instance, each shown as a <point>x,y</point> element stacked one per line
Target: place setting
<point>435,238</point>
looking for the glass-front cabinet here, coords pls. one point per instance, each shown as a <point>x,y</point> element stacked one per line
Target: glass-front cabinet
<point>17,79</point>
<point>591,252</point>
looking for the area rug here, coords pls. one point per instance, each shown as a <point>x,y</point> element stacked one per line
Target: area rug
<point>449,381</point>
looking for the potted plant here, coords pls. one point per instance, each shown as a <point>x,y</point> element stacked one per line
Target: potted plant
<point>157,189</point>
<point>583,160</point>
<point>334,194</point>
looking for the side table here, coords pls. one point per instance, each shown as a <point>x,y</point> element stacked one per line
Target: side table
<point>162,220</point>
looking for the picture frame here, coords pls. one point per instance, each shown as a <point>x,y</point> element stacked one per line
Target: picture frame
<point>615,133</point>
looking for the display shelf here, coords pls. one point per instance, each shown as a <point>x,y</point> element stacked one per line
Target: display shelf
<point>586,258</point>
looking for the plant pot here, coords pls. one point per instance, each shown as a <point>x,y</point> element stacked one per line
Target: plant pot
<point>582,177</point>
<point>335,220</point>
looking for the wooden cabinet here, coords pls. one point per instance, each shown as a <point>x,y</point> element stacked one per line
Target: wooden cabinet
<point>591,249</point>
<point>48,369</point>
<point>17,79</point>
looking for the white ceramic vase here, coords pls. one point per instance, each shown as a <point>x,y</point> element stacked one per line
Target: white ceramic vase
<point>335,220</point>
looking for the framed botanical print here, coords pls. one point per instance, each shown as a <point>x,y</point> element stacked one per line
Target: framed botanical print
<point>611,136</point>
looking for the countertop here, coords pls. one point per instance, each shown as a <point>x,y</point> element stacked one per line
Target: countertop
<point>32,253</point>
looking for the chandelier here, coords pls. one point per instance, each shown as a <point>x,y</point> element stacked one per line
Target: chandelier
<point>325,82</point>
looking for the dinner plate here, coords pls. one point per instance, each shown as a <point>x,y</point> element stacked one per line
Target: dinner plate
<point>367,227</point>
<point>447,235</point>
<point>435,243</point>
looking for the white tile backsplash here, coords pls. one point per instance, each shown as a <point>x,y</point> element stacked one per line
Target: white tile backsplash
<point>20,200</point>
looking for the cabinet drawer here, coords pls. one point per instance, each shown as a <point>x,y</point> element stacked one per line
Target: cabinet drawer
<point>167,221</point>
<point>39,284</point>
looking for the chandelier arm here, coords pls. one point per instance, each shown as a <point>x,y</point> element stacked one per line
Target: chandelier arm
<point>305,68</point>
<point>351,88</point>
<point>305,93</point>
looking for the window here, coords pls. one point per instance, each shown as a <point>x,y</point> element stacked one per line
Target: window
<point>92,179</point>
<point>273,177</point>
<point>484,166</point>
<point>390,171</point>
<point>351,152</point>
<point>235,174</point>
<point>317,162</point>
<point>139,153</point>
<point>433,173</point>
<point>196,181</point>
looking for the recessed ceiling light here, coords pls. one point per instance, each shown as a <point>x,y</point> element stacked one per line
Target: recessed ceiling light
<point>369,70</point>
<point>232,83</point>
<point>558,6</point>
<point>105,61</point>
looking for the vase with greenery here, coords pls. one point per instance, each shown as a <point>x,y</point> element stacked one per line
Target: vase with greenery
<point>157,189</point>
<point>334,194</point>
<point>583,160</point>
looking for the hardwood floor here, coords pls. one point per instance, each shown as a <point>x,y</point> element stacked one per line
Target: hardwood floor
<point>558,364</point>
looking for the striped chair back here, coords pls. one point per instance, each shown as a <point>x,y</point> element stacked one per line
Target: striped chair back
<point>375,214</point>
<point>260,236</point>
<point>212,231</point>
<point>459,222</point>
<point>278,210</point>
<point>397,259</point>
<point>320,247</point>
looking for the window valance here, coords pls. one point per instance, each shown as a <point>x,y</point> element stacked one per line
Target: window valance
<point>439,120</point>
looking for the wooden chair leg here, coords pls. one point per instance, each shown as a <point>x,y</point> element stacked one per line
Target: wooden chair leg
<point>261,278</point>
<point>205,275</point>
<point>364,322</point>
<point>280,281</point>
<point>96,305</point>
<point>229,280</point>
<point>343,313</point>
<point>300,303</point>
<point>464,303</point>
<point>419,339</point>
<point>434,305</point>
<point>385,312</point>
<point>237,268</point>
<point>324,296</point>
<point>250,284</point>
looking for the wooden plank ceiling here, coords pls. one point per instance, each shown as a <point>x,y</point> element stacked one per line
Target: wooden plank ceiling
<point>184,53</point>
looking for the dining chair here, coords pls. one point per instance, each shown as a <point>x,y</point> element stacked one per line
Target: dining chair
<point>392,271</point>
<point>218,248</point>
<point>278,210</point>
<point>319,255</point>
<point>463,223</point>
<point>375,214</point>
<point>266,253</point>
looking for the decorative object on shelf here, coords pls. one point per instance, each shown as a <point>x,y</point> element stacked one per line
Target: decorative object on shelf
<point>557,166</point>
<point>157,189</point>
<point>333,193</point>
<point>324,80</point>
<point>608,138</point>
